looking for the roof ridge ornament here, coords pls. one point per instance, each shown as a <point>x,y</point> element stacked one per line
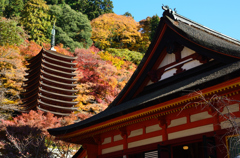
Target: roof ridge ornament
<point>169,12</point>
<point>53,38</point>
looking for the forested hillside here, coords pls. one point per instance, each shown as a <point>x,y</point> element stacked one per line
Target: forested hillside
<point>108,48</point>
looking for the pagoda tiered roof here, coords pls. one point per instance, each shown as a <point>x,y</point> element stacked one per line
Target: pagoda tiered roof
<point>50,83</point>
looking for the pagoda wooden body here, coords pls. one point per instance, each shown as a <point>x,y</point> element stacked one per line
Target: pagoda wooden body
<point>50,83</point>
<point>163,107</point>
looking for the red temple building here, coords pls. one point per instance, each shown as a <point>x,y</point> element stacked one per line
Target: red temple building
<point>161,112</point>
<point>50,83</point>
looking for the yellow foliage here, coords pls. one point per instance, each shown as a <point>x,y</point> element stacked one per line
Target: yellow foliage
<point>117,31</point>
<point>6,101</point>
<point>108,57</point>
<point>12,73</point>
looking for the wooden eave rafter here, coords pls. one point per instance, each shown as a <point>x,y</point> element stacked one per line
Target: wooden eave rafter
<point>57,71</point>
<point>32,90</point>
<point>56,113</point>
<point>227,89</point>
<point>55,106</point>
<point>59,66</point>
<point>57,100</point>
<point>58,61</point>
<point>59,55</point>
<point>42,78</point>
<point>32,74</point>
<point>58,94</point>
<point>26,109</point>
<point>30,71</point>
<point>33,78</point>
<point>34,58</point>
<point>58,89</point>
<point>27,87</point>
<point>31,95</point>
<point>25,104</point>
<point>58,77</point>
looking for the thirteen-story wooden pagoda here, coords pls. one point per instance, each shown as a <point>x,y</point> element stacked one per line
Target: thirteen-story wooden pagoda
<point>50,83</point>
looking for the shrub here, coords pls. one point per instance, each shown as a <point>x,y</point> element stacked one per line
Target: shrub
<point>127,55</point>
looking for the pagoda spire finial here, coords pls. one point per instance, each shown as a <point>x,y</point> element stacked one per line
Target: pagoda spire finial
<point>53,38</point>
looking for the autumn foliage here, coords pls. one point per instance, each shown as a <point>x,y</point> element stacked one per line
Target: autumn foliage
<point>118,31</point>
<point>27,133</point>
<point>100,78</point>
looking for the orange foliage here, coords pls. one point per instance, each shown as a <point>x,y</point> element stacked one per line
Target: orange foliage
<point>11,74</point>
<point>117,31</point>
<point>30,49</point>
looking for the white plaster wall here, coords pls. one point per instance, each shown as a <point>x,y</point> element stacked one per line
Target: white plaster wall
<point>231,108</point>
<point>107,140</point>
<point>186,52</point>
<point>168,59</point>
<point>153,128</point>
<point>168,73</point>
<point>200,116</point>
<point>136,133</point>
<point>145,141</point>
<point>149,83</point>
<point>191,64</point>
<point>189,132</point>
<point>178,121</point>
<point>117,137</point>
<point>112,149</point>
<point>228,124</point>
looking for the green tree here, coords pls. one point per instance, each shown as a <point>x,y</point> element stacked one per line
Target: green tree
<point>92,8</point>
<point>128,14</point>
<point>36,20</point>
<point>14,8</point>
<point>52,2</point>
<point>3,4</point>
<point>10,33</point>
<point>73,29</point>
<point>153,25</point>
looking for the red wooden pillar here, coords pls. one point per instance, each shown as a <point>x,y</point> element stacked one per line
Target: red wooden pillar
<point>98,140</point>
<point>216,123</point>
<point>92,150</point>
<point>124,133</point>
<point>163,123</point>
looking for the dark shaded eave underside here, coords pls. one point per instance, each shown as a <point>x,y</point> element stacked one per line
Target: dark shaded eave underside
<point>126,107</point>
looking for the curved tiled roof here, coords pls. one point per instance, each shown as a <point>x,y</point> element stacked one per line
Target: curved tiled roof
<point>59,61</point>
<point>57,100</point>
<point>59,66</point>
<point>57,71</point>
<point>58,94</point>
<point>59,55</point>
<point>56,82</point>
<point>56,113</point>
<point>57,88</point>
<point>59,77</point>
<point>34,58</point>
<point>56,106</point>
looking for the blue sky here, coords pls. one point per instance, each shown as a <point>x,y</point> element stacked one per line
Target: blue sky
<point>220,15</point>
